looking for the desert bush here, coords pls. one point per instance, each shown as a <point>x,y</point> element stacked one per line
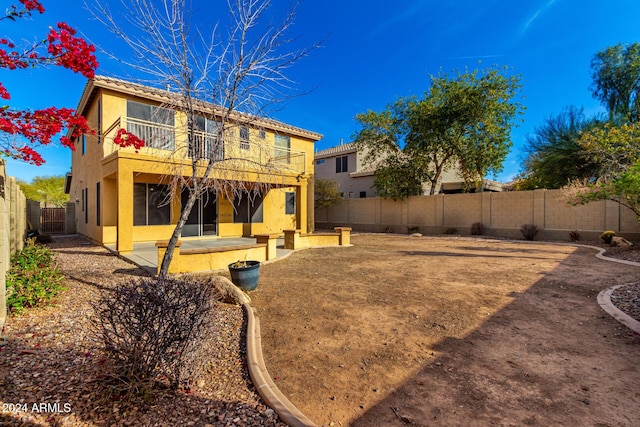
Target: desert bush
<point>412,230</point>
<point>154,330</point>
<point>607,236</point>
<point>477,229</point>
<point>574,236</point>
<point>450,230</point>
<point>529,231</point>
<point>33,278</point>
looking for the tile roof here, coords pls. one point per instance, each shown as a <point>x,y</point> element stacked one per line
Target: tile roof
<point>338,149</point>
<point>162,95</point>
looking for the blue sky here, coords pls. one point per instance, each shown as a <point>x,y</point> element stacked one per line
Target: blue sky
<point>375,51</point>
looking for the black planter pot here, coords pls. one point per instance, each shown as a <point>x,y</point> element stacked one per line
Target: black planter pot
<point>245,277</point>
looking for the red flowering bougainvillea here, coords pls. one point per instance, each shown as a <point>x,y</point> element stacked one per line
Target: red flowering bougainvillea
<point>23,129</point>
<point>126,139</point>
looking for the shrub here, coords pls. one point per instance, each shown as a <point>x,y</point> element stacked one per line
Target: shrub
<point>574,236</point>
<point>33,278</point>
<point>154,330</point>
<point>412,230</point>
<point>477,229</point>
<point>607,236</point>
<point>450,230</point>
<point>529,231</point>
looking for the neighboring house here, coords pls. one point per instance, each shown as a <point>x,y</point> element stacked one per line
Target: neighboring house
<point>121,195</point>
<point>344,164</point>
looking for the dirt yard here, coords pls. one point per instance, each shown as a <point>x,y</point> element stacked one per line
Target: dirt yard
<point>398,331</point>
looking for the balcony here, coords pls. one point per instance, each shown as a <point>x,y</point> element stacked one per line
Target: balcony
<point>233,154</point>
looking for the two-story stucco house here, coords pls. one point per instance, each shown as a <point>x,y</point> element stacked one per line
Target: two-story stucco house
<point>344,164</point>
<point>122,196</point>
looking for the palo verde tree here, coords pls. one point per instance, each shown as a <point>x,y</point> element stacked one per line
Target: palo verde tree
<point>554,155</point>
<point>613,147</point>
<point>616,81</point>
<point>239,67</point>
<point>22,130</point>
<point>463,121</point>
<point>616,150</point>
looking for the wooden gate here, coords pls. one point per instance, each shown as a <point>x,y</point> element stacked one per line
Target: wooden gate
<point>52,220</point>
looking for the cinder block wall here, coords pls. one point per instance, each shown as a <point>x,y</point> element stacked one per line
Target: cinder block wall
<point>502,214</point>
<point>13,224</point>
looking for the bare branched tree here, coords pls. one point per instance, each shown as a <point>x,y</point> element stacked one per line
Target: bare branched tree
<point>220,81</point>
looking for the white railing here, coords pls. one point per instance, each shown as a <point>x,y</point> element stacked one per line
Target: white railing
<point>235,152</point>
<point>155,135</point>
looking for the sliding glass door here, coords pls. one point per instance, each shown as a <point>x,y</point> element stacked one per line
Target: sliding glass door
<point>203,218</point>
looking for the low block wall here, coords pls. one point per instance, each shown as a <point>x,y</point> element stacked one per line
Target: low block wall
<point>194,260</point>
<point>293,239</point>
<point>502,214</point>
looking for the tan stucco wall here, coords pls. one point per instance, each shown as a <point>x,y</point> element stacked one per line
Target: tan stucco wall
<point>117,169</point>
<point>501,213</point>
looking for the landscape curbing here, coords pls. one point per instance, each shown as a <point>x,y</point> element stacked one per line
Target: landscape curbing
<point>267,389</point>
<point>604,299</point>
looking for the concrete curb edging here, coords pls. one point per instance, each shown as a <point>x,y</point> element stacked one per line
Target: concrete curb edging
<point>604,300</point>
<point>267,389</point>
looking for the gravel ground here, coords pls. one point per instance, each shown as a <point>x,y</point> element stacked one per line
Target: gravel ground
<point>52,368</point>
<point>626,298</point>
<point>51,360</point>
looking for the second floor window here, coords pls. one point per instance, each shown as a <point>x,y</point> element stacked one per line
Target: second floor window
<point>244,137</point>
<point>153,124</point>
<point>341,164</point>
<point>205,139</point>
<point>282,152</point>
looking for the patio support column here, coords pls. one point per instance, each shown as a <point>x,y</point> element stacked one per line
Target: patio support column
<point>271,241</point>
<point>302,207</point>
<point>124,184</point>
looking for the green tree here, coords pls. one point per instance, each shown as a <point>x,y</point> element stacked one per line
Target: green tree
<point>616,150</point>
<point>326,193</point>
<point>48,189</point>
<point>554,156</point>
<point>616,81</point>
<point>463,120</point>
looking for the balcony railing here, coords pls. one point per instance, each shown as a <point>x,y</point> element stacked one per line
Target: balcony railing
<point>155,135</point>
<point>234,152</point>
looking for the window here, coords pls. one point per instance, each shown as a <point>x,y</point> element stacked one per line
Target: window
<point>84,144</point>
<point>83,200</point>
<point>244,137</point>
<point>363,194</point>
<point>151,204</point>
<point>155,125</point>
<point>290,204</point>
<point>86,205</point>
<point>99,122</point>
<point>262,134</point>
<point>248,208</point>
<point>204,140</point>
<point>341,164</point>
<point>98,203</point>
<point>282,151</point>
<point>320,162</point>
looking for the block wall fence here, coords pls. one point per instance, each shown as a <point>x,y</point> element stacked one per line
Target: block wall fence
<point>502,214</point>
<point>13,225</point>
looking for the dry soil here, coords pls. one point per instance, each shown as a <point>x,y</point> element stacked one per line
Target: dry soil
<point>425,331</point>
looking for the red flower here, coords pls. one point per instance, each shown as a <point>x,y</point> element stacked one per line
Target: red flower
<point>127,139</point>
<point>38,127</point>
